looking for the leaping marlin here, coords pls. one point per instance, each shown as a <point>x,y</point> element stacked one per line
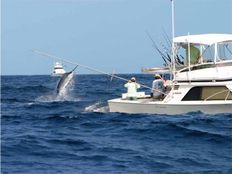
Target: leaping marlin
<point>64,80</point>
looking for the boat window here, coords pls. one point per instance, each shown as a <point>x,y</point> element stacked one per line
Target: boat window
<point>193,50</point>
<point>208,93</point>
<point>205,54</point>
<point>225,51</point>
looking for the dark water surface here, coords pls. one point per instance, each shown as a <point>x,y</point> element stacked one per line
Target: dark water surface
<point>42,133</point>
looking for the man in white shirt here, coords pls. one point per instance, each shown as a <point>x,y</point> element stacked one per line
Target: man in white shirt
<point>132,87</point>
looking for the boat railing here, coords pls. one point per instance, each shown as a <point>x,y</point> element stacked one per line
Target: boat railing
<point>206,65</point>
<point>197,66</point>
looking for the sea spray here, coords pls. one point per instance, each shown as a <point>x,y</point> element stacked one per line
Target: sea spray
<point>97,107</point>
<point>65,93</point>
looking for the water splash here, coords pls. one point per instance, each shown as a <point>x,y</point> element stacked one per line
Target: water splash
<point>56,98</point>
<point>97,107</point>
<point>65,93</point>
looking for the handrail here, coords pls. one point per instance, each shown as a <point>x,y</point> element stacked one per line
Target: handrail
<point>219,93</point>
<point>227,95</point>
<point>212,64</point>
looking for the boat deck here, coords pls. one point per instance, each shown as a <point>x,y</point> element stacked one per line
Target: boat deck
<point>137,100</point>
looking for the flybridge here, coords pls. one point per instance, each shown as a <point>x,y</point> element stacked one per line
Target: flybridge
<point>204,39</point>
<point>204,48</point>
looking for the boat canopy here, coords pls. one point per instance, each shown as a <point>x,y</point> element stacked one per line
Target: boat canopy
<point>204,39</point>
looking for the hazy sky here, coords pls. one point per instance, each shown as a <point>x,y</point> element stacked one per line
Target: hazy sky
<point>104,34</point>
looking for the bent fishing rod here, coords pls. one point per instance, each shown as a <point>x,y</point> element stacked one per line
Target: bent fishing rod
<point>89,68</point>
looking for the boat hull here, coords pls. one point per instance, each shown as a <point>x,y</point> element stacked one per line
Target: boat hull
<point>159,107</point>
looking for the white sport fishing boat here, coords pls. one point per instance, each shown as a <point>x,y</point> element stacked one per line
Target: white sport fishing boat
<point>58,69</point>
<point>203,84</point>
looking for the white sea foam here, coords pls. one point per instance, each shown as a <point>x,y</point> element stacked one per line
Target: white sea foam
<point>65,93</point>
<point>97,107</point>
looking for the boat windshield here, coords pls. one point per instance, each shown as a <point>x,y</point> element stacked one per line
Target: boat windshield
<point>198,54</point>
<point>225,51</point>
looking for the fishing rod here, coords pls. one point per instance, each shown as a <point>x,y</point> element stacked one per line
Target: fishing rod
<point>169,42</point>
<point>166,50</point>
<point>178,58</point>
<point>167,58</point>
<point>89,68</point>
<point>157,49</point>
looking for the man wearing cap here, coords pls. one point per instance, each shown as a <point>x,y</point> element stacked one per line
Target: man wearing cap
<point>157,87</point>
<point>132,87</point>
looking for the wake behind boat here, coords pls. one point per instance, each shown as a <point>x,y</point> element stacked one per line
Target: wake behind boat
<point>204,83</point>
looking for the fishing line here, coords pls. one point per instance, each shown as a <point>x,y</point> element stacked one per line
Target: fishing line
<point>91,69</point>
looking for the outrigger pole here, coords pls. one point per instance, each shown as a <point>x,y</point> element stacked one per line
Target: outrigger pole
<point>86,67</point>
<point>173,35</point>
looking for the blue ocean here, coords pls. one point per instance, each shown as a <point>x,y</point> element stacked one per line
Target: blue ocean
<point>75,134</point>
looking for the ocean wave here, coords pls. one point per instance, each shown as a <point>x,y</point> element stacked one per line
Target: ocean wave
<point>62,116</point>
<point>13,100</point>
<point>198,132</point>
<point>28,88</point>
<point>70,142</point>
<point>50,98</point>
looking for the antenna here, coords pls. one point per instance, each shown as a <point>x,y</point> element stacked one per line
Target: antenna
<point>173,35</point>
